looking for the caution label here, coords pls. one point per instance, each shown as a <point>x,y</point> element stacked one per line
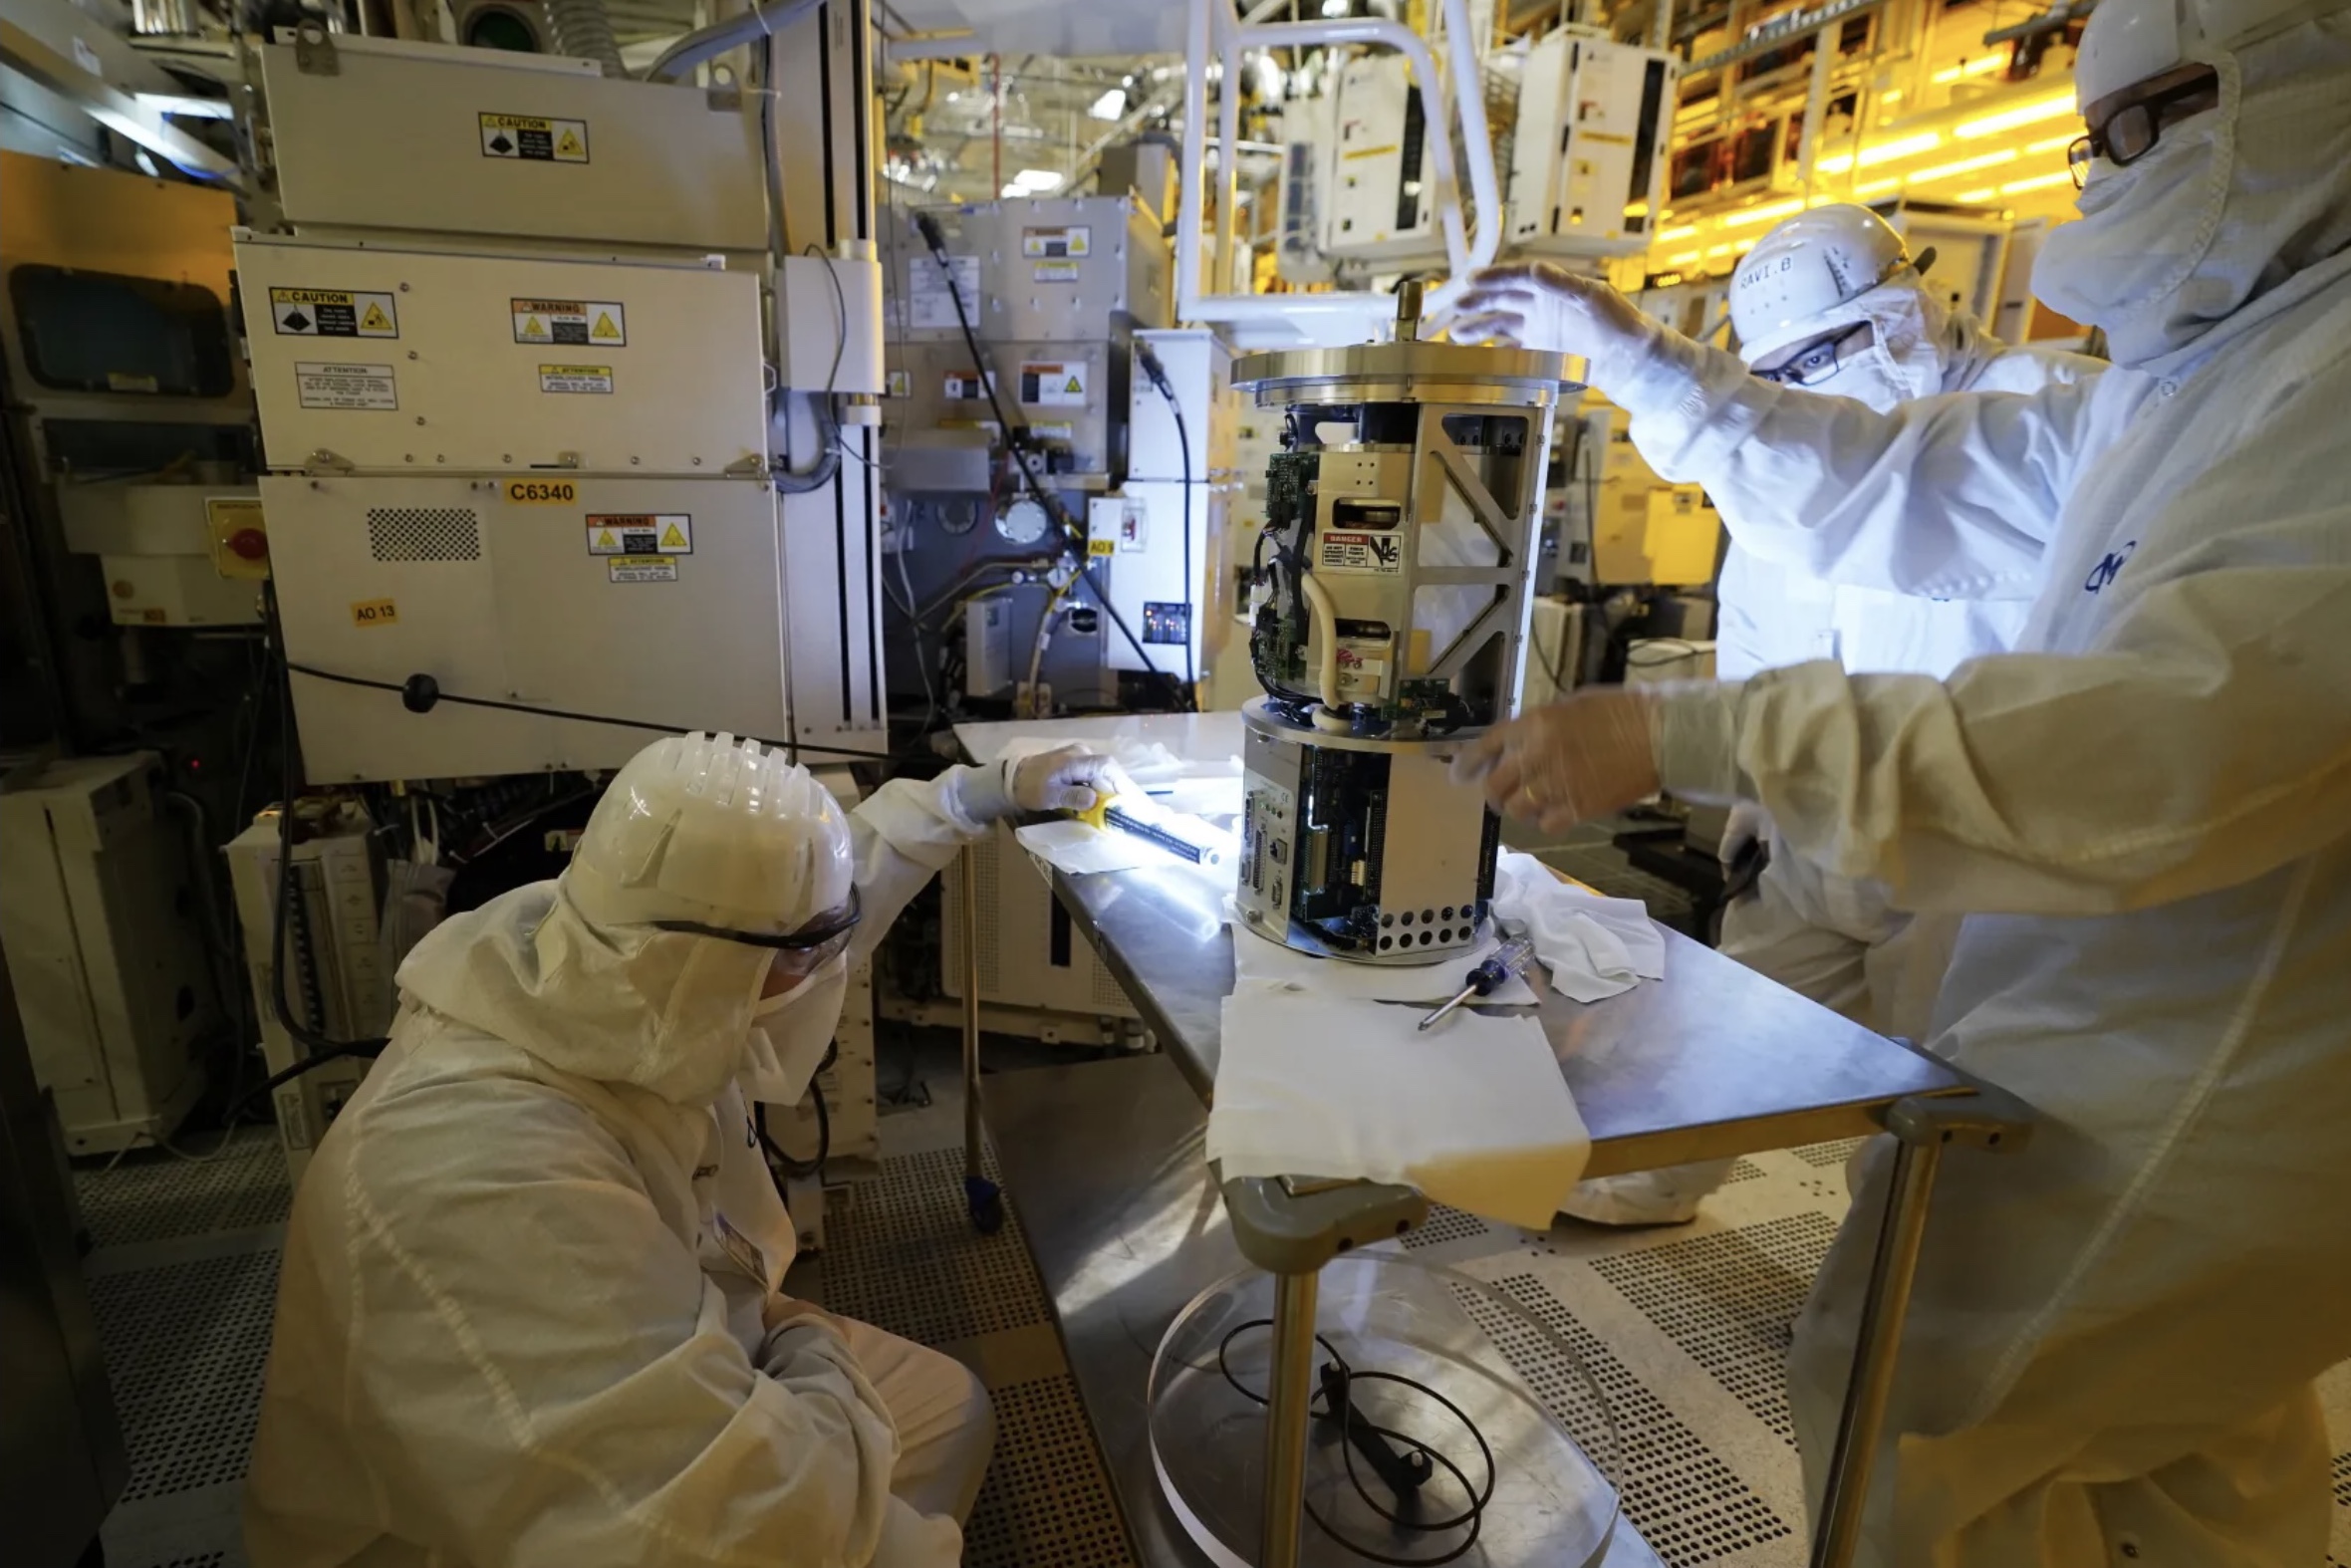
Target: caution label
<point>533,140</point>
<point>542,492</point>
<point>931,302</point>
<point>1051,386</point>
<point>1362,555</point>
<point>333,313</point>
<point>346,386</point>
<point>901,384</point>
<point>375,613</point>
<point>640,534</point>
<point>575,377</point>
<point>601,323</point>
<point>644,569</point>
<point>965,387</point>
<point>1057,272</point>
<point>1056,243</point>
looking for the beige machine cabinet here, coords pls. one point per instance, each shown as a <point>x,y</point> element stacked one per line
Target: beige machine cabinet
<point>1032,959</point>
<point>413,362</point>
<point>168,550</point>
<point>654,600</point>
<point>110,978</point>
<point>425,138</point>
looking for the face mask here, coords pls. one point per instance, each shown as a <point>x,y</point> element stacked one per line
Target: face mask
<point>789,1033</point>
<point>1870,378</point>
<point>2143,232</point>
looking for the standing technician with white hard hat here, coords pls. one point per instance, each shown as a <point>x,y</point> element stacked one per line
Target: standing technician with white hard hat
<point>530,1309</point>
<point>1831,301</point>
<point>2115,1330</point>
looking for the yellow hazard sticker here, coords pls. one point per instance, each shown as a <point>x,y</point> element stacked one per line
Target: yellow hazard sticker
<point>542,492</point>
<point>575,378</point>
<point>530,139</point>
<point>374,612</point>
<point>604,323</point>
<point>1053,385</point>
<point>333,313</point>
<point>640,534</point>
<point>1102,546</point>
<point>644,569</point>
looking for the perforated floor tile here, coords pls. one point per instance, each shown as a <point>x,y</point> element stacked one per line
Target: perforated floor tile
<point>1445,1225</point>
<point>1047,1502</point>
<point>1686,1503</point>
<point>1826,1156</point>
<point>155,1195</point>
<point>184,1349</point>
<point>900,1253</point>
<point>1730,1299</point>
<point>1745,1171</point>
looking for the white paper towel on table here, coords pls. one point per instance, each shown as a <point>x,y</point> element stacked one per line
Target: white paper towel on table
<point>1479,1118</point>
<point>1595,947</point>
<point>1260,961</point>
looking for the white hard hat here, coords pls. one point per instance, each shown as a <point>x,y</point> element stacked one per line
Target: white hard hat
<point>2125,42</point>
<point>1810,264</point>
<point>711,832</point>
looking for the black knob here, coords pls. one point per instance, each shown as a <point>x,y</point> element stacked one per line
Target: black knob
<point>420,694</point>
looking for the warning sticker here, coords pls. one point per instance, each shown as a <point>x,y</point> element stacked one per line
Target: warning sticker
<point>601,323</point>
<point>1057,272</point>
<point>346,386</point>
<point>965,387</point>
<point>375,613</point>
<point>542,492</point>
<point>640,534</point>
<point>1056,243</point>
<point>534,139</point>
<point>901,384</point>
<point>575,377</point>
<point>644,569</point>
<point>929,304</point>
<point>333,313</point>
<point>1059,385</point>
<point>1364,555</point>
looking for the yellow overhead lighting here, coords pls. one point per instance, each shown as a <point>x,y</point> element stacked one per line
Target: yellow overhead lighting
<point>1876,187</point>
<point>1973,68</point>
<point>1687,259</point>
<point>1762,214</point>
<point>2032,114</point>
<point>1671,235</point>
<point>1880,152</point>
<point>2038,182</point>
<point>2053,144</point>
<point>1963,166</point>
<point>1724,250</point>
<point>1637,209</point>
<point>1974,196</point>
<point>1890,94</point>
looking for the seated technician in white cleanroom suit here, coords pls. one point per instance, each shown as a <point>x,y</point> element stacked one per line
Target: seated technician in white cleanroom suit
<point>1831,301</point>
<point>530,1307</point>
<point>2144,813</point>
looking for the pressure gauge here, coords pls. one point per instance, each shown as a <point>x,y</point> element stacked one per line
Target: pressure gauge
<point>958,515</point>
<point>1023,522</point>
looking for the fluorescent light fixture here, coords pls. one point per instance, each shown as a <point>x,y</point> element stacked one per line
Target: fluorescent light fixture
<point>1976,195</point>
<point>1109,106</point>
<point>1036,182</point>
<point>1686,231</point>
<point>2038,182</point>
<point>1762,214</point>
<point>2032,114</point>
<point>1724,250</point>
<point>1689,258</point>
<point>1876,187</point>
<point>1984,65</point>
<point>2054,143</point>
<point>1963,166</point>
<point>1335,8</point>
<point>1880,152</point>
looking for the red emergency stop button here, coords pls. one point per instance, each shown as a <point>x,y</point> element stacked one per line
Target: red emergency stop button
<point>248,544</point>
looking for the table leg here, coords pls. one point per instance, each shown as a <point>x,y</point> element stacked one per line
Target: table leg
<point>1290,1389</point>
<point>980,1196</point>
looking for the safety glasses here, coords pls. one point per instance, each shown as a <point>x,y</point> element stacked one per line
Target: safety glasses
<point>2124,127</point>
<point>1817,361</point>
<point>830,928</point>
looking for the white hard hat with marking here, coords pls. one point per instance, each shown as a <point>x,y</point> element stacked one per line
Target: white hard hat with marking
<point>1811,264</point>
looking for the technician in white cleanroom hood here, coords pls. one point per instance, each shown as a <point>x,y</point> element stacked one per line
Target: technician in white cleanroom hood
<point>2111,1349</point>
<point>530,1307</point>
<point>1830,301</point>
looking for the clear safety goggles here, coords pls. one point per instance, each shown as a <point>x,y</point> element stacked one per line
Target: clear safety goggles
<point>1820,359</point>
<point>822,936</point>
<point>2124,126</point>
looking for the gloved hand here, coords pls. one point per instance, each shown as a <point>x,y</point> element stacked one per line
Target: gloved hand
<point>1069,778</point>
<point>1535,305</point>
<point>1748,822</point>
<point>1593,753</point>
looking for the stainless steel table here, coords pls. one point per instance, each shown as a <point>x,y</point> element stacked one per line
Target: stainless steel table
<point>1710,1062</point>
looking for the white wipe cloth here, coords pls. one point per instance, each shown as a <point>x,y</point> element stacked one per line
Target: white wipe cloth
<point>1476,1114</point>
<point>1595,947</point>
<point>1258,960</point>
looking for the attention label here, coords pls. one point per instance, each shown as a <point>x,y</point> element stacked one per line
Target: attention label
<point>644,569</point>
<point>1375,554</point>
<point>929,305</point>
<point>346,386</point>
<point>333,313</point>
<point>1056,243</point>
<point>601,323</point>
<point>640,534</point>
<point>1057,272</point>
<point>575,377</point>
<point>375,613</point>
<point>534,139</point>
<point>542,492</point>
<point>1059,385</point>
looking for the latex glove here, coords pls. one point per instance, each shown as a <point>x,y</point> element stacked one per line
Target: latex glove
<point>1070,778</point>
<point>1536,305</point>
<point>1593,753</point>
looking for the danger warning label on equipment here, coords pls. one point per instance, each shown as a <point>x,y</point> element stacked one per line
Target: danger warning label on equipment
<point>640,534</point>
<point>644,569</point>
<point>537,140</point>
<point>1374,554</point>
<point>333,313</point>
<point>1056,243</point>
<point>598,322</point>
<point>575,377</point>
<point>1059,385</point>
